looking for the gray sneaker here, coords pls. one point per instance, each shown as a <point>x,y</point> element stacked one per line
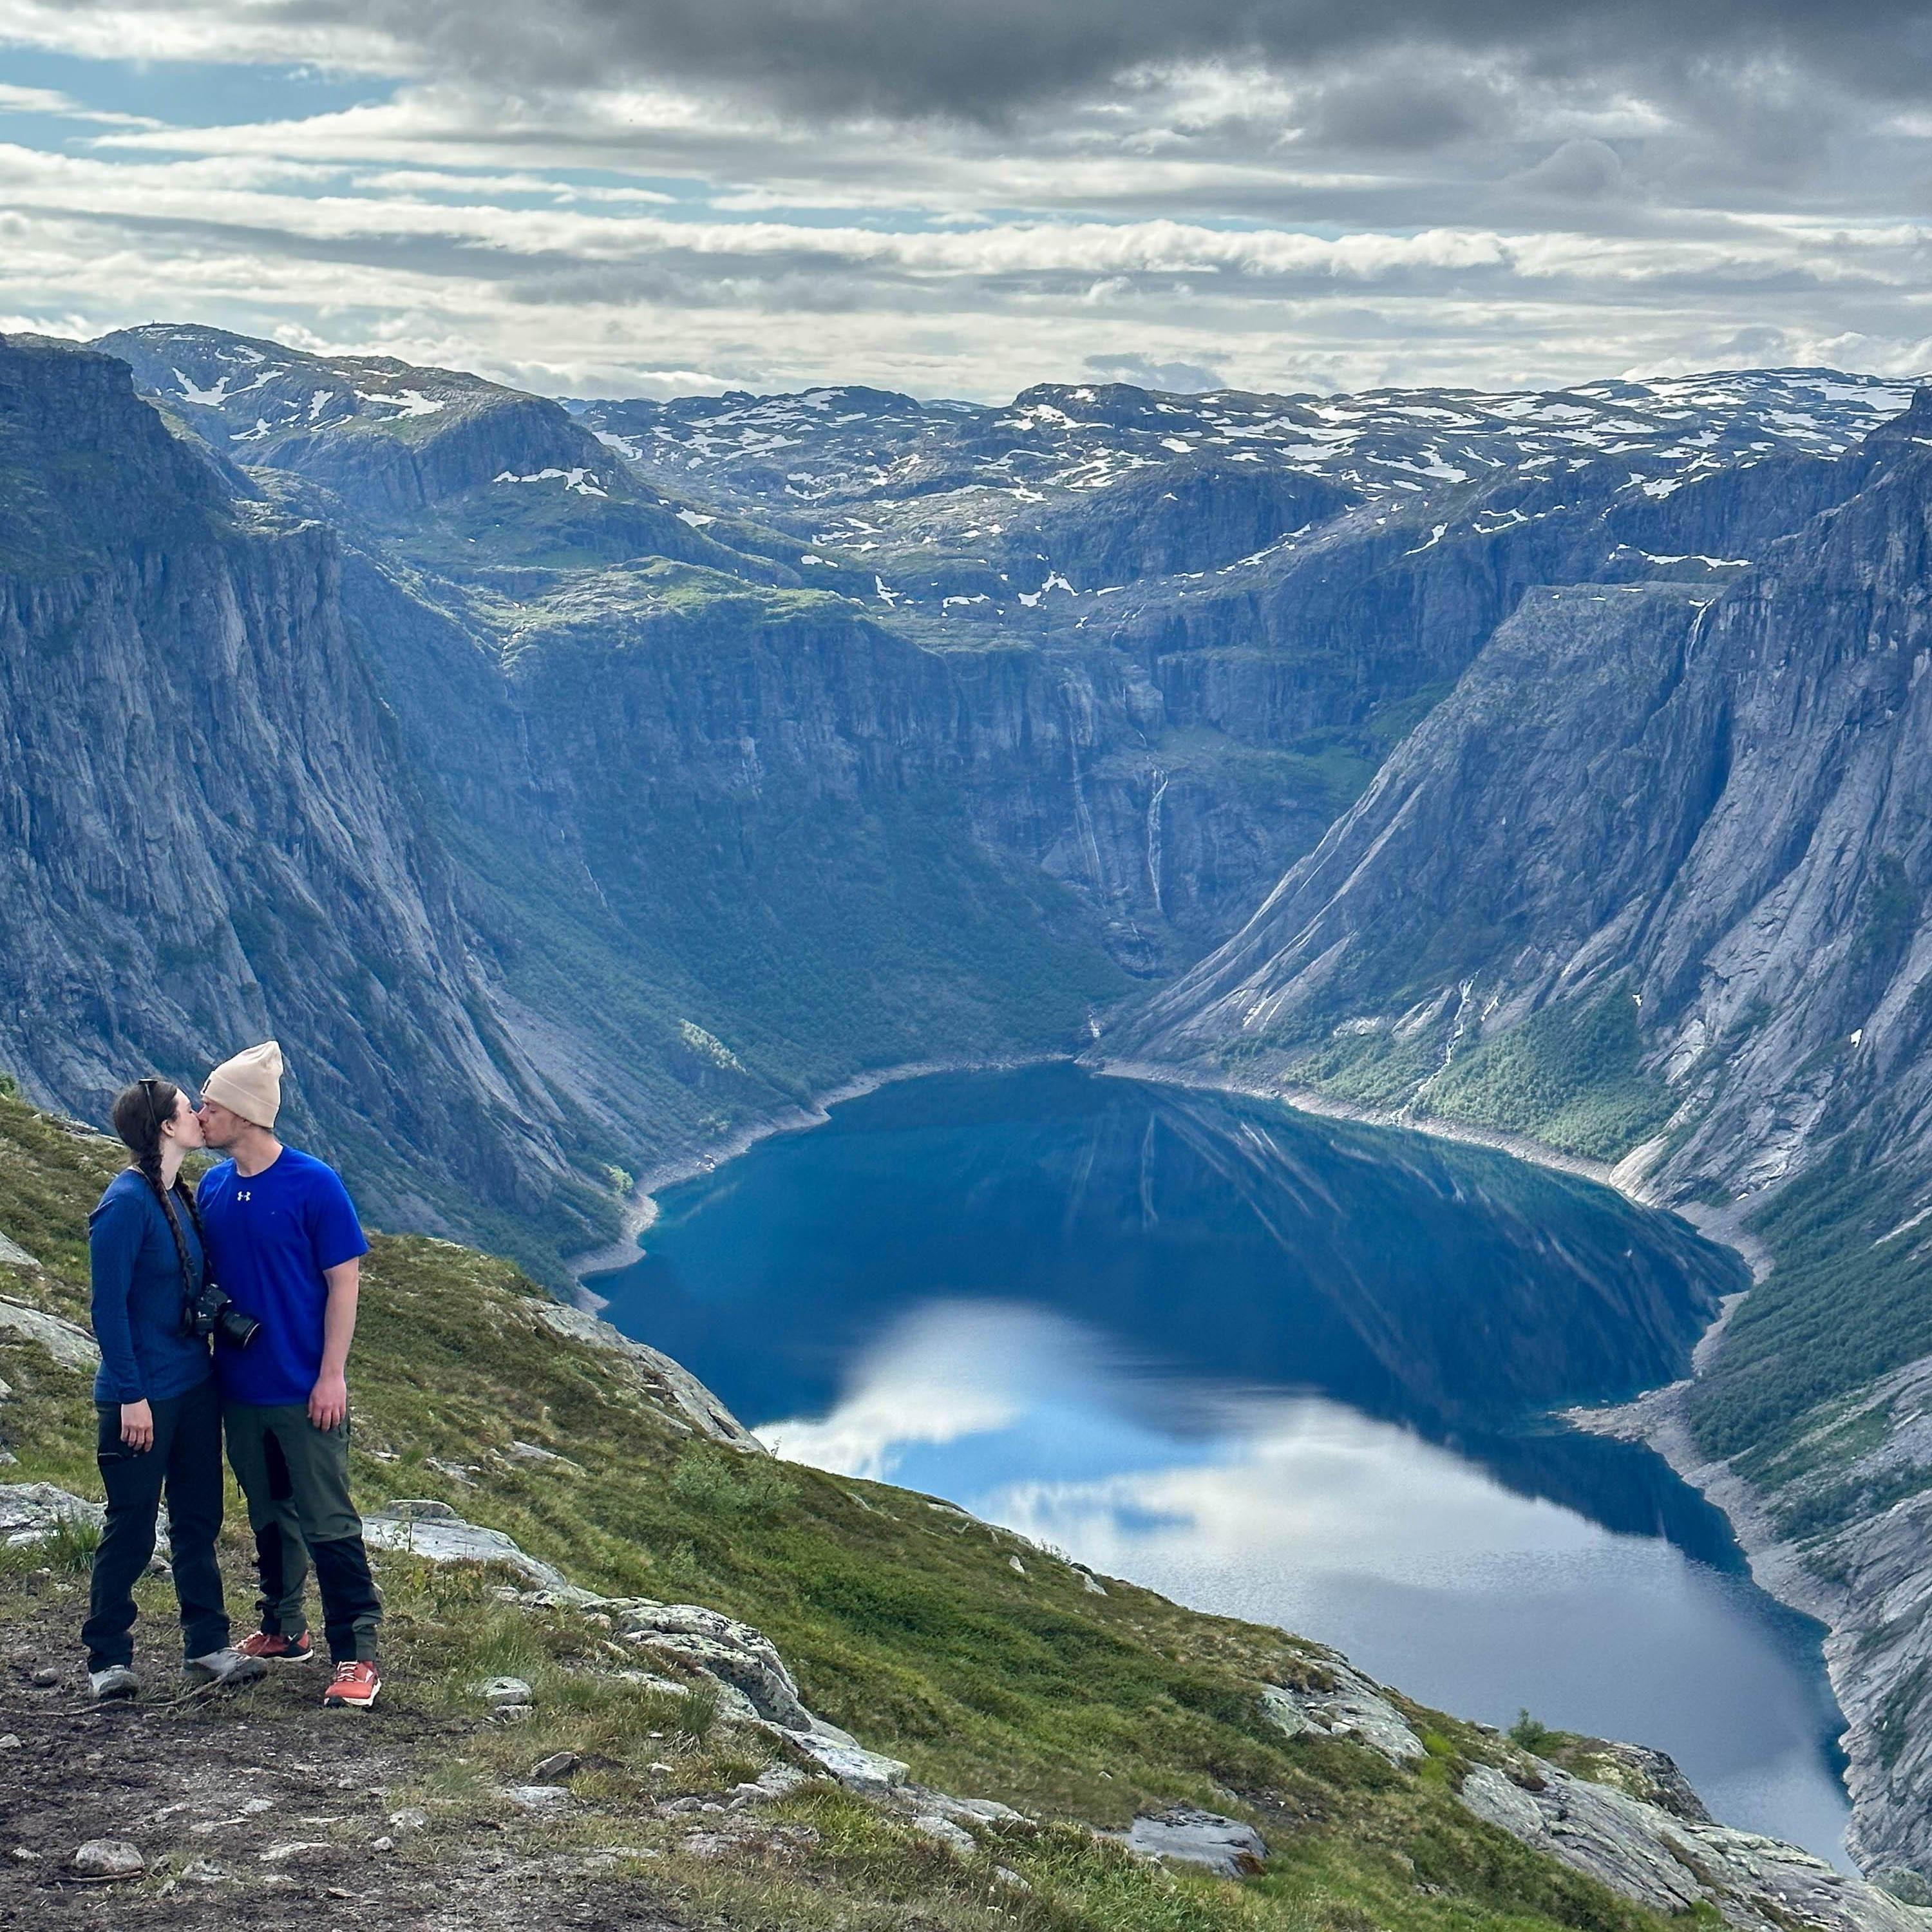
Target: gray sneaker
<point>116,1681</point>
<point>226,1665</point>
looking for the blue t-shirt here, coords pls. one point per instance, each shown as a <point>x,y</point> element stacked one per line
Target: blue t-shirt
<point>138,1298</point>
<point>270,1236</point>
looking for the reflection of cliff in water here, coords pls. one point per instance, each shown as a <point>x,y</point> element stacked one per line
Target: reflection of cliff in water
<point>1217,1246</point>
<point>1449,1288</point>
<point>1416,1279</point>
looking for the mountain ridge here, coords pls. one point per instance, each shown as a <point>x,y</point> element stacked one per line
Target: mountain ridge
<point>1677,924</point>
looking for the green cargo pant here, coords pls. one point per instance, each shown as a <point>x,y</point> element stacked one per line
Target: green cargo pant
<point>295,1478</point>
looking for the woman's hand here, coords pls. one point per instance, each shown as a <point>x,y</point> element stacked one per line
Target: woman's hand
<point>137,1426</point>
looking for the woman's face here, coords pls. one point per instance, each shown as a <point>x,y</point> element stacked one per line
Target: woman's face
<point>186,1125</point>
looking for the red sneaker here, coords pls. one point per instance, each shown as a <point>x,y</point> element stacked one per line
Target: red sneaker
<point>353,1687</point>
<point>277,1649</point>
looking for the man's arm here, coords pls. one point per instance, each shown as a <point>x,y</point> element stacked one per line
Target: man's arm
<point>328,1400</point>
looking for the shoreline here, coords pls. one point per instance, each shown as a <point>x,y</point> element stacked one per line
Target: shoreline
<point>641,1209</point>
<point>1718,1226</point>
<point>1654,1419</point>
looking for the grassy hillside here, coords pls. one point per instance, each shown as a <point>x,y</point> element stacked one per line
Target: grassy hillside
<point>904,1622</point>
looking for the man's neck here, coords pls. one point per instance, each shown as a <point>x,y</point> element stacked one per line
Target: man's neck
<point>255,1152</point>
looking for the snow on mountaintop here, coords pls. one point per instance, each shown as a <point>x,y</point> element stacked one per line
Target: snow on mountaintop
<point>972,514</point>
<point>854,445</point>
<point>234,390</point>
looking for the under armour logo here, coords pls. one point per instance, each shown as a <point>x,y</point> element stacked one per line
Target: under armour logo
<point>244,1194</point>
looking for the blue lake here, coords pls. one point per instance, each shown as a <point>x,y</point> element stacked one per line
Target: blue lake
<point>1279,1368</point>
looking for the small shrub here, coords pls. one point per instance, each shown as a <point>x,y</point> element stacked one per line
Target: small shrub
<point>723,1482</point>
<point>1529,1734</point>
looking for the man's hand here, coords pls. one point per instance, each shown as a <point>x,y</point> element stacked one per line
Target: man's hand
<point>137,1426</point>
<point>328,1400</point>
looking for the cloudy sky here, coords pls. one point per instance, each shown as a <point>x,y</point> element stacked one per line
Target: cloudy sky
<point>645,197</point>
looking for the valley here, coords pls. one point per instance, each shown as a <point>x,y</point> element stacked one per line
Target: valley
<point>576,787</point>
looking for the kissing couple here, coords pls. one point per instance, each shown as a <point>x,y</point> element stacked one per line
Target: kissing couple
<point>227,1311</point>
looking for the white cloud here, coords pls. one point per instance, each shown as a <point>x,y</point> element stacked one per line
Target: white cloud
<point>1276,227</point>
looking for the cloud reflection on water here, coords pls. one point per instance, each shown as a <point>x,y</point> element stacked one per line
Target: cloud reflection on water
<point>1297,1510</point>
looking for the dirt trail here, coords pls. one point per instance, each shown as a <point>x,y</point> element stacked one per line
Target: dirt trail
<point>257,1809</point>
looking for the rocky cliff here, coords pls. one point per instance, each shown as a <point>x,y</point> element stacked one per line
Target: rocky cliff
<point>1649,885</point>
<point>212,829</point>
<point>525,895</point>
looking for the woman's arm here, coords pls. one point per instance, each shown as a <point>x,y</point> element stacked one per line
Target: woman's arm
<point>115,1231</point>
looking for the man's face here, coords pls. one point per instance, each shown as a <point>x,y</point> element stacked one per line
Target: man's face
<point>219,1127</point>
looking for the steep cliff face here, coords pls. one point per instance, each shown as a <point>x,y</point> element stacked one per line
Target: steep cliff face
<point>211,830</point>
<point>1703,805</point>
<point>1651,885</point>
<point>523,901</point>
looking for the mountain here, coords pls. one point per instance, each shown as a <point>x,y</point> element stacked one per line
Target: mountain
<point>576,786</point>
<point>1650,885</point>
<point>689,758</point>
<point>531,880</point>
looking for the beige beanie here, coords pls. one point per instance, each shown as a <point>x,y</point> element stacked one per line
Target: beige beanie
<point>249,1085</point>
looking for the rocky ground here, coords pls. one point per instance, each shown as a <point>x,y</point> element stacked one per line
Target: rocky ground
<point>257,1808</point>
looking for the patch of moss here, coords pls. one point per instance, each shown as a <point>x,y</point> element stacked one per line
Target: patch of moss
<point>1568,1075</point>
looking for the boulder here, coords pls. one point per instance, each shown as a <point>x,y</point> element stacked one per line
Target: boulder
<point>856,1767</point>
<point>1354,1707</point>
<point>71,1346</point>
<point>109,1858</point>
<point>1188,1836</point>
<point>435,1532</point>
<point>30,1511</point>
<point>734,1653</point>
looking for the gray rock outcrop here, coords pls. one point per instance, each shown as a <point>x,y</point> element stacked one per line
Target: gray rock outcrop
<point>1186,1835</point>
<point>447,1538</point>
<point>1351,1706</point>
<point>671,1386</point>
<point>30,1512</point>
<point>69,1345</point>
<point>721,1647</point>
<point>1675,1865</point>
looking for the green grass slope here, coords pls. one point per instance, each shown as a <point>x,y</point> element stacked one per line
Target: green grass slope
<point>904,1620</point>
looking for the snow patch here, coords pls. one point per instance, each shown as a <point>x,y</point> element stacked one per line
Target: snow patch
<point>583,481</point>
<point>405,402</point>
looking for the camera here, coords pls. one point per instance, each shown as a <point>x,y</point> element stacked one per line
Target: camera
<point>213,1312</point>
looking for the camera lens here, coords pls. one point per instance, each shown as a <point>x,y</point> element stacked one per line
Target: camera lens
<point>240,1330</point>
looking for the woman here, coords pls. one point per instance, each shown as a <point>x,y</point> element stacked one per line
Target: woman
<point>159,1409</point>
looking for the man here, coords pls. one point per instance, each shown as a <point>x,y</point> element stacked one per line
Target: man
<point>285,1243</point>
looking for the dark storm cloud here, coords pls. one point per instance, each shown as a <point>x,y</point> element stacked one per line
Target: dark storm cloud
<point>981,59</point>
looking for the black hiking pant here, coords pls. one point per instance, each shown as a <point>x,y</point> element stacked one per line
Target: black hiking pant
<point>186,1462</point>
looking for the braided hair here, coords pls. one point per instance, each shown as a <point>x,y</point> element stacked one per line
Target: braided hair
<point>140,1112</point>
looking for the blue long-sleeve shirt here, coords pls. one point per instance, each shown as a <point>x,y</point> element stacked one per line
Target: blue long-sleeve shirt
<point>137,1307</point>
